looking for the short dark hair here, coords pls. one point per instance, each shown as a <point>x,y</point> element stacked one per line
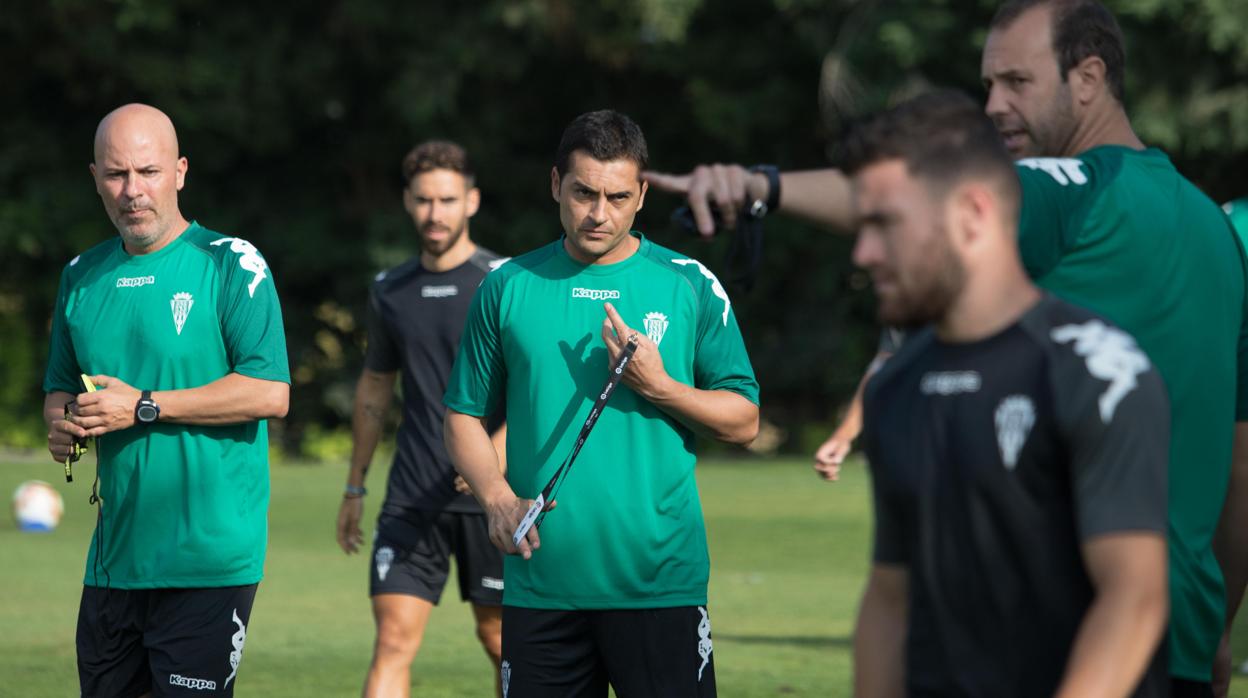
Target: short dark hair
<point>1081,28</point>
<point>604,135</point>
<point>437,155</point>
<point>942,136</point>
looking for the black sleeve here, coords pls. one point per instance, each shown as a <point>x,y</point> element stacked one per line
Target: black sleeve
<point>892,542</point>
<point>382,354</point>
<point>1117,417</point>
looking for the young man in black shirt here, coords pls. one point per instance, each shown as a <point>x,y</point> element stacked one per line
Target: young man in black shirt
<point>1017,443</point>
<point>416,313</point>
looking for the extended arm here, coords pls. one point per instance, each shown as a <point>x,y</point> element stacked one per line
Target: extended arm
<point>818,196</point>
<point>1230,545</point>
<point>880,636</point>
<point>831,453</point>
<point>1123,627</point>
<point>471,450</point>
<point>231,399</point>
<point>373,394</point>
<point>718,414</point>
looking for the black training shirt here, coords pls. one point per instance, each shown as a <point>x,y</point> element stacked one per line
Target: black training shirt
<point>993,461</point>
<point>415,318</point>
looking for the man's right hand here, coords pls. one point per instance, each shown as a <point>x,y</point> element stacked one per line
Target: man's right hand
<point>61,436</point>
<point>504,517</point>
<point>831,454</point>
<point>350,537</point>
<point>730,187</point>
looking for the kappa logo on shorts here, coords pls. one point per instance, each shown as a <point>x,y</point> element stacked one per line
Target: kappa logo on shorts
<point>492,583</point>
<point>656,327</point>
<point>504,672</point>
<point>236,656</point>
<point>193,684</point>
<point>181,305</point>
<point>385,556</point>
<point>704,640</point>
<point>1014,418</point>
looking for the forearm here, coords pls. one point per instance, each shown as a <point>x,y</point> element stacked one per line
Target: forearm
<point>499,439</point>
<point>54,406</point>
<point>373,394</point>
<point>818,196</point>
<point>1122,628</point>
<point>475,459</point>
<point>1231,542</point>
<point>719,414</point>
<point>231,399</point>
<point>880,643</point>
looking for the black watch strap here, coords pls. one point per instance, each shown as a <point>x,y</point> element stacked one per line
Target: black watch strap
<point>146,410</point>
<point>760,208</point>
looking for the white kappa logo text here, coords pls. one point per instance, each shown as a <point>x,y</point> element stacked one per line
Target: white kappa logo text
<point>194,684</point>
<point>135,281</point>
<point>595,294</point>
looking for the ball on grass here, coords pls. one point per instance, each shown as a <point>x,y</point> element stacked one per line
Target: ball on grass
<point>37,506</point>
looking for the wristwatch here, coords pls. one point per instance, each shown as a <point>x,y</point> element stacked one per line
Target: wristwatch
<point>146,410</point>
<point>353,492</point>
<point>759,207</point>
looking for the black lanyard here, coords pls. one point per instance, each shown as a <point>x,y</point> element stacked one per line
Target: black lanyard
<point>536,513</point>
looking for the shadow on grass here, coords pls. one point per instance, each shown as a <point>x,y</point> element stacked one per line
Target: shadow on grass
<point>813,641</point>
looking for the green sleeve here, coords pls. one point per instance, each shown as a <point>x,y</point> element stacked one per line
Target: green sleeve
<point>250,314</point>
<point>720,361</point>
<point>63,370</point>
<point>1241,354</point>
<point>478,378</point>
<point>1054,196</point>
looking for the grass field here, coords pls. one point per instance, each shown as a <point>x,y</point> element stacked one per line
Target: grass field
<point>788,555</point>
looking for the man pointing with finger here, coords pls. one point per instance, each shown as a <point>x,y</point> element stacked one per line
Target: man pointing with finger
<point>613,588</point>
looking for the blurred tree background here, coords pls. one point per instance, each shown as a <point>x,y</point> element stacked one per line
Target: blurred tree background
<point>295,115</point>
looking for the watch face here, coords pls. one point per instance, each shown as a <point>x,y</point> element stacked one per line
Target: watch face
<point>146,413</point>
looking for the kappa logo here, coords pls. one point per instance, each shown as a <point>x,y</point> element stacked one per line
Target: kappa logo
<point>1111,355</point>
<point>704,640</point>
<point>438,291</point>
<point>385,556</point>
<point>656,326</point>
<point>716,287</point>
<point>193,684</point>
<point>236,656</point>
<point>950,383</point>
<point>135,281</point>
<point>181,305</point>
<point>492,583</point>
<point>595,294</point>
<point>505,676</point>
<point>249,259</point>
<point>1014,418</point>
<point>1065,170</point>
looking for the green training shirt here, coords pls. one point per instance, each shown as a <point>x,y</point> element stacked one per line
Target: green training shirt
<point>628,530</point>
<point>183,506</point>
<point>1121,232</point>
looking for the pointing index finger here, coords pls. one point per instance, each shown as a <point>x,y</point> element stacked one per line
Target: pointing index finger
<point>676,184</point>
<point>621,330</point>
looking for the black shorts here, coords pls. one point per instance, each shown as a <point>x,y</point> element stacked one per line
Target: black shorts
<point>657,652</point>
<point>412,555</point>
<point>170,642</point>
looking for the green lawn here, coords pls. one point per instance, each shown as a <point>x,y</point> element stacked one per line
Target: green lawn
<point>788,555</point>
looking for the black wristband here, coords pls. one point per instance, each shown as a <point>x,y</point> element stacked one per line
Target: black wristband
<point>760,208</point>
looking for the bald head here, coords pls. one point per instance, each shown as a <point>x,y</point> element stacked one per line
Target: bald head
<point>136,122</point>
<point>138,174</point>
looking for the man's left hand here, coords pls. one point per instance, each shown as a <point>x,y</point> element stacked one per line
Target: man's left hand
<point>645,372</point>
<point>109,408</point>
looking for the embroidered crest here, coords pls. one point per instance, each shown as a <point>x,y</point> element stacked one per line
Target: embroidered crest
<point>181,305</point>
<point>656,327</point>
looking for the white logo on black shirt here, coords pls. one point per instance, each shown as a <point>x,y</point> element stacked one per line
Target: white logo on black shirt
<point>1014,418</point>
<point>181,305</point>
<point>950,382</point>
<point>438,291</point>
<point>1111,355</point>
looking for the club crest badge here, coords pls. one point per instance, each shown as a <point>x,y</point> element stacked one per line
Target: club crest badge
<point>181,305</point>
<point>656,327</point>
<point>1014,418</point>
